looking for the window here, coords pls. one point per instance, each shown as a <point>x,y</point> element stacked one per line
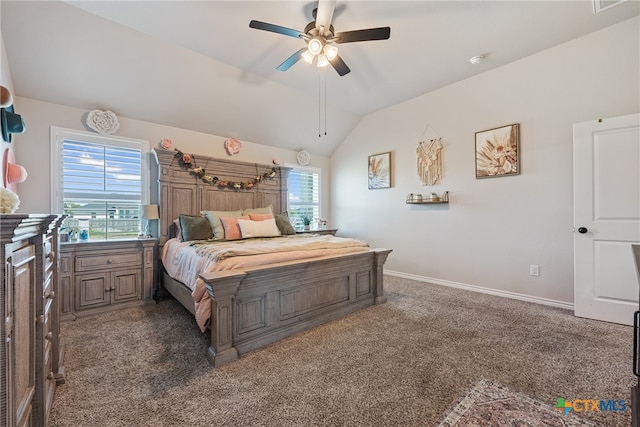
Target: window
<point>304,195</point>
<point>99,181</point>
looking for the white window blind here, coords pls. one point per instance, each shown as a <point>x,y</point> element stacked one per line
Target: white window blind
<point>304,195</point>
<point>101,183</point>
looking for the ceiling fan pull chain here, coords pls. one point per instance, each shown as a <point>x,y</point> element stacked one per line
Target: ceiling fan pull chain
<point>319,108</point>
<point>325,102</point>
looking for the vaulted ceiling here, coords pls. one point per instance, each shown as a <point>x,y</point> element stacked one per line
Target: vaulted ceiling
<point>197,65</point>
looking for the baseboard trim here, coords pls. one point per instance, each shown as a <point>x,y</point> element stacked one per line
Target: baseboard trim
<point>483,290</point>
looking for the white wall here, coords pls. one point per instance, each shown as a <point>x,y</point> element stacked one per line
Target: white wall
<point>493,229</point>
<point>6,81</point>
<point>33,148</point>
<point>5,71</point>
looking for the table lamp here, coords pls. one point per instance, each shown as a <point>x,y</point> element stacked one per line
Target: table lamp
<point>149,213</point>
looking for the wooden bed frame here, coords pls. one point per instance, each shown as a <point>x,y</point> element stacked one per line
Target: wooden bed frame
<point>254,307</point>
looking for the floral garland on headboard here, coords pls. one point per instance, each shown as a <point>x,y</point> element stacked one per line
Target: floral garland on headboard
<point>188,162</point>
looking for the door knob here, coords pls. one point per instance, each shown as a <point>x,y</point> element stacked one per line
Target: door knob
<point>582,230</point>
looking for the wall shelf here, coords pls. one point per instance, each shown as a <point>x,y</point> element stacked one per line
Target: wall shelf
<point>414,200</point>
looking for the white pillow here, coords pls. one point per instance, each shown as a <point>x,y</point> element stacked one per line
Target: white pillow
<point>266,228</point>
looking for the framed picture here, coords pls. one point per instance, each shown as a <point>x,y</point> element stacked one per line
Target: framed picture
<point>498,152</point>
<point>380,170</point>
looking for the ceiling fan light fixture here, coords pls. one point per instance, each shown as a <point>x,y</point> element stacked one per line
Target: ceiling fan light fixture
<point>331,52</point>
<point>307,56</point>
<point>322,60</point>
<point>315,45</point>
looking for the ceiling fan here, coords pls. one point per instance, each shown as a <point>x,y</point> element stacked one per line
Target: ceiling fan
<point>320,38</point>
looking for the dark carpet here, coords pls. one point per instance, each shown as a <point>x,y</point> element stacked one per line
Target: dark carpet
<point>404,363</point>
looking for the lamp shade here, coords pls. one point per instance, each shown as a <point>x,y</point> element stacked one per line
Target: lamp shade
<point>331,51</point>
<point>315,45</point>
<point>150,212</point>
<point>322,60</point>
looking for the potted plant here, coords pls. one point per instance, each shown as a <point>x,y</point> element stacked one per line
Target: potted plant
<point>71,230</point>
<point>306,220</point>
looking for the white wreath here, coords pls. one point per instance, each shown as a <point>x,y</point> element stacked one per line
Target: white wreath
<point>104,122</point>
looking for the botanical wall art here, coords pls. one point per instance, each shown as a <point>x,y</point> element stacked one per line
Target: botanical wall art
<point>380,170</point>
<point>429,155</point>
<point>498,152</point>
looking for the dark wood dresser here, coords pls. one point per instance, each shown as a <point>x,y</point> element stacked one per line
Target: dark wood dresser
<point>31,352</point>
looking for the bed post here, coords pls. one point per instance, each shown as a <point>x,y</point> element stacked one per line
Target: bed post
<point>221,291</point>
<point>380,256</point>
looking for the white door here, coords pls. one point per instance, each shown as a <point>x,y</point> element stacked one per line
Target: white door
<point>606,193</point>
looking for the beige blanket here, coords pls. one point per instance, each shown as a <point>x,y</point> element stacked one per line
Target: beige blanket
<point>220,250</point>
<point>257,252</point>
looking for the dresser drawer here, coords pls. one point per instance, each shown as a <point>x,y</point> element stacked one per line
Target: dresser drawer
<point>47,333</point>
<point>108,260</point>
<point>49,256</point>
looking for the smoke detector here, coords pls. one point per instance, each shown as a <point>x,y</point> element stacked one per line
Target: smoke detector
<point>477,59</point>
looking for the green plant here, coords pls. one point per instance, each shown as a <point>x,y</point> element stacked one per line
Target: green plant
<point>70,226</point>
<point>306,220</point>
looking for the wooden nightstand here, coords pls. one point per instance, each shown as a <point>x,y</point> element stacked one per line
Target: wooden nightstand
<point>331,231</point>
<point>100,276</point>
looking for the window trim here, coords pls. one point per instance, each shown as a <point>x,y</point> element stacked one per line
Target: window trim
<point>59,134</point>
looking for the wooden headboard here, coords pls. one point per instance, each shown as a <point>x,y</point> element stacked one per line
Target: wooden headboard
<point>182,192</point>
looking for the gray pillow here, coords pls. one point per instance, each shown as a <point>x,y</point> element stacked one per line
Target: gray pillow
<point>195,228</point>
<point>285,227</point>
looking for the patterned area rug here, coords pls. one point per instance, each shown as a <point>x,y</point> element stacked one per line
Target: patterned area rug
<point>492,404</point>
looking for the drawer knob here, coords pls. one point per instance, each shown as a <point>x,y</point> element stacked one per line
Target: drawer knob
<point>49,336</point>
<point>50,295</point>
<point>109,261</point>
<point>51,255</point>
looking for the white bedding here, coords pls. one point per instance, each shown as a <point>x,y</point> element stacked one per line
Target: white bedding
<point>182,261</point>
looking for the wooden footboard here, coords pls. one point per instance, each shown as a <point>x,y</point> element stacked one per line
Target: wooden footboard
<point>254,307</point>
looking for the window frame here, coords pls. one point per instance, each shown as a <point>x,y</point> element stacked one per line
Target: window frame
<point>57,137</point>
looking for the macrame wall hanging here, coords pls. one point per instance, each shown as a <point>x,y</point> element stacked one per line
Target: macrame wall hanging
<point>429,158</point>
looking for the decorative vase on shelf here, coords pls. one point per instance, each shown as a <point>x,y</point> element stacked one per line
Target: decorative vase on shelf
<point>73,236</point>
<point>84,234</point>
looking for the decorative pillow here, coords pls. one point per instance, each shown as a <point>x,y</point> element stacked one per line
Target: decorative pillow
<point>262,211</point>
<point>178,232</point>
<point>260,217</point>
<point>214,220</point>
<point>231,227</point>
<point>266,228</point>
<point>195,228</point>
<point>284,225</point>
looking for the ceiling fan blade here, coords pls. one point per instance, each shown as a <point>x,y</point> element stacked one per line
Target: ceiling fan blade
<point>258,25</point>
<point>339,65</point>
<point>291,60</point>
<point>324,14</point>
<point>381,33</point>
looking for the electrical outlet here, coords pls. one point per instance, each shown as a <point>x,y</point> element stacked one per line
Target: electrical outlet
<point>534,270</point>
